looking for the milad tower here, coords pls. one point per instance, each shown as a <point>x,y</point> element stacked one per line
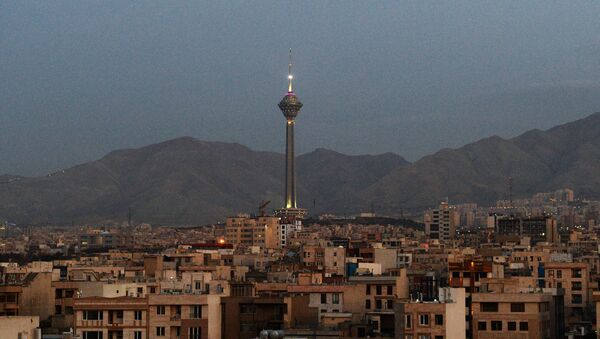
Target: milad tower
<point>290,107</point>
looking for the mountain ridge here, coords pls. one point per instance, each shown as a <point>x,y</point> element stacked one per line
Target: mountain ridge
<point>190,181</point>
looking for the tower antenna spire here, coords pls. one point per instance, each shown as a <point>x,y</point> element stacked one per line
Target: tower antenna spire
<point>290,76</point>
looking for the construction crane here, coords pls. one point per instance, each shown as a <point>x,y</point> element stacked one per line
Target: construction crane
<point>262,206</point>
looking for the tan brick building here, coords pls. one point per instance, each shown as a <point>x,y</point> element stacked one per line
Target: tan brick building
<point>253,231</point>
<point>156,316</point>
<point>444,319</point>
<point>512,315</point>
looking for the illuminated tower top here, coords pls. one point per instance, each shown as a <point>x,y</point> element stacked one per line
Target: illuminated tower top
<point>290,105</point>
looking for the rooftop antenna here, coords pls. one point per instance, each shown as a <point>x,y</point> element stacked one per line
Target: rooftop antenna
<point>290,76</point>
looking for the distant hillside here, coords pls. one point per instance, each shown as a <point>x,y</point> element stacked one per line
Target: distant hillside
<point>538,161</point>
<point>191,181</point>
<point>183,181</point>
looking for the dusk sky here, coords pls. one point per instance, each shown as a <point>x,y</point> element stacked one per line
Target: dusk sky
<point>79,79</point>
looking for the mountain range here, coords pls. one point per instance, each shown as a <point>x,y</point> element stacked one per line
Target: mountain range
<point>189,181</point>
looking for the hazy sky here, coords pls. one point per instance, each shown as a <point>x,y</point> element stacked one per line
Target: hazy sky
<point>81,78</point>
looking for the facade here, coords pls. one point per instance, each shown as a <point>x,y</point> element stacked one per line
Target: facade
<point>573,278</point>
<point>538,229</point>
<point>156,316</point>
<point>32,295</point>
<point>381,293</point>
<point>25,327</point>
<point>512,315</point>
<point>244,317</point>
<point>253,231</point>
<point>434,320</point>
<point>439,223</point>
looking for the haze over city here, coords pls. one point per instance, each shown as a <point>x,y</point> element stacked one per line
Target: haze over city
<point>299,170</point>
<point>82,79</point>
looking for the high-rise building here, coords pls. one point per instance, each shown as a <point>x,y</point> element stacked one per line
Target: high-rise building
<point>253,231</point>
<point>537,228</point>
<point>290,107</point>
<point>440,223</point>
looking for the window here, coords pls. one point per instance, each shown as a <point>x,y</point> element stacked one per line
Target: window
<point>423,336</point>
<point>439,337</point>
<point>489,307</point>
<point>137,335</point>
<point>424,319</point>
<point>137,315</point>
<point>558,285</point>
<point>92,335</point>
<point>196,312</point>
<point>198,284</point>
<point>390,290</point>
<point>160,309</point>
<point>378,304</point>
<point>559,273</point>
<point>93,315</point>
<point>408,321</point>
<point>160,331</point>
<point>482,326</point>
<point>247,308</point>
<point>523,326</point>
<point>496,325</point>
<point>195,333</point>
<point>512,326</point>
<point>576,286</point>
<point>517,307</point>
<point>576,273</point>
<point>439,319</point>
<point>368,304</point>
<point>247,327</point>
<point>335,298</point>
<point>368,289</point>
<point>390,304</point>
<point>576,299</point>
<point>378,290</point>
<point>323,298</point>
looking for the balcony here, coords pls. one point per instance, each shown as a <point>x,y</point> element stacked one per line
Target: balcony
<point>115,322</point>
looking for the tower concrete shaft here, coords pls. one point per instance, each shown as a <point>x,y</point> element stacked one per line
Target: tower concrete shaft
<point>290,170</point>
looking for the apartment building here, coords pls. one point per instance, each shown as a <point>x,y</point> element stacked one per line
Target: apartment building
<point>156,316</point>
<point>537,229</point>
<point>512,315</point>
<point>111,318</point>
<point>440,223</point>
<point>31,295</point>
<point>26,327</point>
<point>254,231</point>
<point>380,294</point>
<point>574,279</point>
<point>244,317</point>
<point>441,319</point>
